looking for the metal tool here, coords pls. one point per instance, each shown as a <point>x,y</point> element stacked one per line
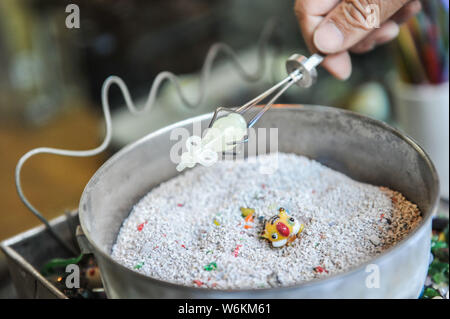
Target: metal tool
<point>301,71</point>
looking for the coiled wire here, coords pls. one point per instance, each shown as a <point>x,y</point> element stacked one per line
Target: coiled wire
<point>211,56</point>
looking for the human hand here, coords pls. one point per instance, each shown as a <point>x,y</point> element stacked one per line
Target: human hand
<point>335,27</point>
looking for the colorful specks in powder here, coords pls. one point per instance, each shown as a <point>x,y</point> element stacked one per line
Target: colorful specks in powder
<point>141,226</point>
<point>249,218</point>
<point>320,270</point>
<point>180,205</point>
<point>246,211</point>
<point>198,283</point>
<point>210,266</point>
<point>216,222</point>
<point>236,250</point>
<point>381,217</point>
<point>139,265</point>
<point>248,214</point>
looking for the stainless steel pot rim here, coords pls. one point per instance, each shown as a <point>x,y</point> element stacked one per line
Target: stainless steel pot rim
<point>316,282</point>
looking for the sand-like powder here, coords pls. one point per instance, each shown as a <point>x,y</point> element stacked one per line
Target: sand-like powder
<point>194,220</point>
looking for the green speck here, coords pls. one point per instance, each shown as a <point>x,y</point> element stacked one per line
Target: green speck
<point>210,266</point>
<point>139,265</point>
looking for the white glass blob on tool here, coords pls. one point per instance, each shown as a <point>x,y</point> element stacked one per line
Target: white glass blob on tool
<point>226,132</point>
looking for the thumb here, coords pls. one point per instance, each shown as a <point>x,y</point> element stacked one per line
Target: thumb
<point>351,21</point>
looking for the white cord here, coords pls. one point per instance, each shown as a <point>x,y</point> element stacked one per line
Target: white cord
<point>160,78</point>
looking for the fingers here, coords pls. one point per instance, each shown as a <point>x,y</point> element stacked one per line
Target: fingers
<point>409,10</point>
<point>335,26</point>
<point>351,21</point>
<point>339,65</point>
<point>309,14</point>
<point>388,31</point>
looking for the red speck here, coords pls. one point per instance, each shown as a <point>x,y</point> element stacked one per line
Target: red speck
<point>214,285</point>
<point>180,205</point>
<point>381,216</point>
<point>183,246</point>
<point>198,282</point>
<point>91,272</point>
<point>156,247</point>
<point>313,191</point>
<point>248,226</point>
<point>141,226</point>
<point>236,250</point>
<point>283,229</point>
<point>320,270</point>
<point>263,186</point>
<point>164,235</point>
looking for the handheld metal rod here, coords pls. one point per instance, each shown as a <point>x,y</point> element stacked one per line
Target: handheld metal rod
<point>301,71</point>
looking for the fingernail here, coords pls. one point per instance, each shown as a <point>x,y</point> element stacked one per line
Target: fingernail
<point>391,31</point>
<point>328,38</point>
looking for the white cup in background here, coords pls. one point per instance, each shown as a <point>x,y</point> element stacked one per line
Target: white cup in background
<point>422,112</point>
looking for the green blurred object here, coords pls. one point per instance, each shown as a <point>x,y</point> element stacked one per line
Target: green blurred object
<point>437,284</point>
<point>371,99</point>
<point>59,262</point>
<point>430,293</point>
<point>438,271</point>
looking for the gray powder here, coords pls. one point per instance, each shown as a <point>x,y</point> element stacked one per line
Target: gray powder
<point>190,231</point>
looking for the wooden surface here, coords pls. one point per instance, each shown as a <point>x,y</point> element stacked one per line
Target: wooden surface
<point>52,183</point>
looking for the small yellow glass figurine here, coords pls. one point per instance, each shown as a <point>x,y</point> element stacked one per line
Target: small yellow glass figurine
<point>282,229</point>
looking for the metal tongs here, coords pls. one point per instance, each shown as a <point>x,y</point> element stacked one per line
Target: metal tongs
<point>301,71</point>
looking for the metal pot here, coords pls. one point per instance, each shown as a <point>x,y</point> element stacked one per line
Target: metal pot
<point>364,149</point>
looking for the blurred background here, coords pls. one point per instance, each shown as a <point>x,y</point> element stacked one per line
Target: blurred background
<point>51,78</point>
